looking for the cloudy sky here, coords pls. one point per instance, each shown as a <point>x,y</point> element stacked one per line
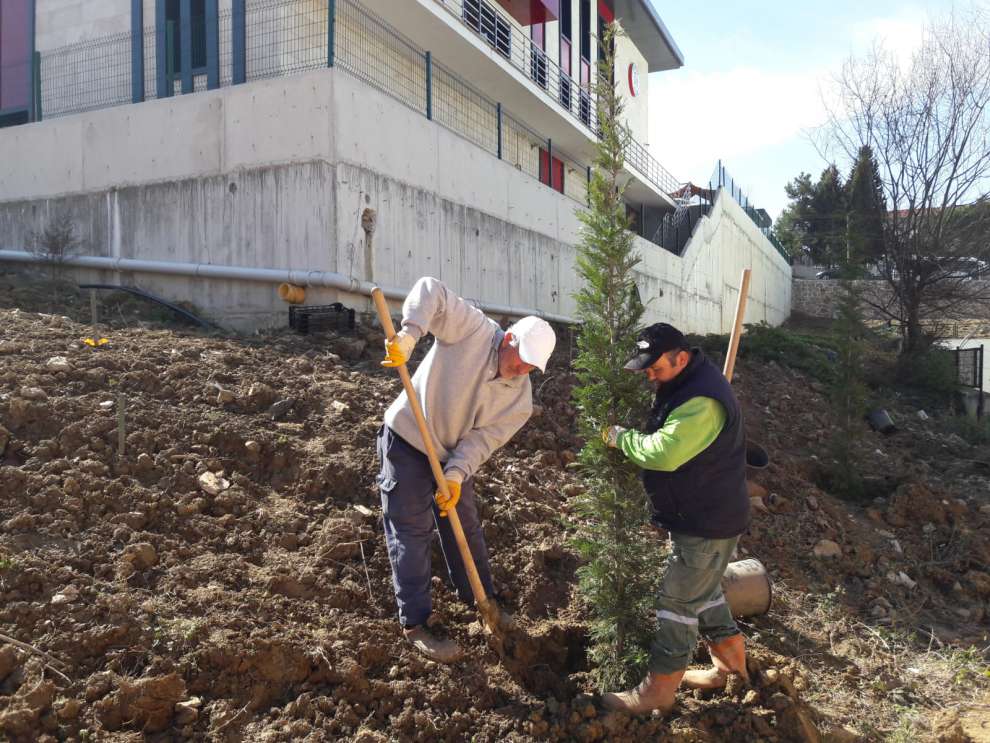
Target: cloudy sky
<point>753,81</point>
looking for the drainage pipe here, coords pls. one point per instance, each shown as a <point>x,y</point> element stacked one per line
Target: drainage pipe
<point>326,279</point>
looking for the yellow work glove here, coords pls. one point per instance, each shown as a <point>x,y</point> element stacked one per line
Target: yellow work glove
<point>398,349</point>
<point>610,435</point>
<point>454,488</point>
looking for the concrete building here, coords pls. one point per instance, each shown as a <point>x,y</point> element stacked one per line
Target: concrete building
<point>208,149</point>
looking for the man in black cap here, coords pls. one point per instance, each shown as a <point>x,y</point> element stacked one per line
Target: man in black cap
<point>693,456</point>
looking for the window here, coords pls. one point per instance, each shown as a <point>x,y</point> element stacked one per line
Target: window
<point>538,55</point>
<point>15,61</point>
<point>197,30</point>
<point>585,18</point>
<point>484,19</point>
<point>565,54</point>
<point>197,33</point>
<point>605,17</point>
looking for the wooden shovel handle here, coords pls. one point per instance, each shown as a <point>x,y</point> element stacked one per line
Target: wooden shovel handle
<point>730,359</point>
<point>484,603</point>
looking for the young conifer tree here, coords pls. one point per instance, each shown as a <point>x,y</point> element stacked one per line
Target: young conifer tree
<point>622,558</point>
<point>864,239</point>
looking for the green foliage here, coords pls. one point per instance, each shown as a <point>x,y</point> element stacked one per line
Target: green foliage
<point>975,432</point>
<point>807,353</point>
<point>847,395</point>
<point>814,223</point>
<point>932,371</point>
<point>867,212</point>
<point>621,569</point>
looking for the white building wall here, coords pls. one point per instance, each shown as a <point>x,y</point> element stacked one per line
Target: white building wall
<point>637,110</point>
<point>61,22</point>
<point>277,173</point>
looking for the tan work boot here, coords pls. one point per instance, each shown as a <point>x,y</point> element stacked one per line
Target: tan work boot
<point>434,648</point>
<point>728,656</point>
<point>656,691</point>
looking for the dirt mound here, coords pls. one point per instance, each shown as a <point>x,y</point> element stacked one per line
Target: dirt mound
<point>190,526</point>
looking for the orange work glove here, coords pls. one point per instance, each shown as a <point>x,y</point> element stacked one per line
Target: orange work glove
<point>398,349</point>
<point>454,488</point>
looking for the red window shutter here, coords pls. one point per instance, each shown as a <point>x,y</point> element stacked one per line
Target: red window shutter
<point>605,12</point>
<point>558,175</point>
<point>551,171</point>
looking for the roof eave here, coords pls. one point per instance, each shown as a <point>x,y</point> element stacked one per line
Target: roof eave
<point>648,32</point>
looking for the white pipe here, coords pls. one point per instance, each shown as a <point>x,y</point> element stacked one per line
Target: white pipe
<point>268,275</point>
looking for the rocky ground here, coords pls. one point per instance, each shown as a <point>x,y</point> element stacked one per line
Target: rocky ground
<point>191,549</point>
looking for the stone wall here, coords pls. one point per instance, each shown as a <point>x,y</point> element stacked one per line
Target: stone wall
<point>820,299</point>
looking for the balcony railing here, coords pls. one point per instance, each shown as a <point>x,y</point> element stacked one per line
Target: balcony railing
<point>492,25</point>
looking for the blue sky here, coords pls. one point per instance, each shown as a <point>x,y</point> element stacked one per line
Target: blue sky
<point>752,83</point>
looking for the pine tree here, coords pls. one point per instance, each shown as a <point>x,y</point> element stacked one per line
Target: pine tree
<point>864,241</point>
<point>622,560</point>
<point>828,227</point>
<point>867,211</point>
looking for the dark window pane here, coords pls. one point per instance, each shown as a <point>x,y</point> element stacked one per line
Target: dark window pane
<point>198,33</point>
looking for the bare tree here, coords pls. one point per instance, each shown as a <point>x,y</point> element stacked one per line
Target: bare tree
<point>927,121</point>
<point>55,244</point>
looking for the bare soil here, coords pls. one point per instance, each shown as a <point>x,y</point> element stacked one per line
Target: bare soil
<point>224,576</point>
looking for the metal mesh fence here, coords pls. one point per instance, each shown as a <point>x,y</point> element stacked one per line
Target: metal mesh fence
<point>462,109</point>
<point>284,37</point>
<point>86,76</point>
<point>369,49</point>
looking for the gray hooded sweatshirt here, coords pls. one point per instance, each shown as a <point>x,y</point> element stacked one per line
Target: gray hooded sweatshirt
<point>470,411</point>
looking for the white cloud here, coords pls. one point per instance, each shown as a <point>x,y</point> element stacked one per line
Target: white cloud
<point>900,34</point>
<point>696,118</point>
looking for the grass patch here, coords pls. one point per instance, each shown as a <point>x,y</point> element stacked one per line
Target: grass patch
<point>975,432</point>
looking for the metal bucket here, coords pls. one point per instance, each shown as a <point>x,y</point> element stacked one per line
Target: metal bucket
<point>756,456</point>
<point>879,420</point>
<point>747,588</point>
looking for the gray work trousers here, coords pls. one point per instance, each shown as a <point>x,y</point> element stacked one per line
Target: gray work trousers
<point>411,518</point>
<point>691,601</point>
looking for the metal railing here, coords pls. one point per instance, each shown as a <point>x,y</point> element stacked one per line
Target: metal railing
<point>721,179</point>
<point>492,26</point>
<point>969,371</point>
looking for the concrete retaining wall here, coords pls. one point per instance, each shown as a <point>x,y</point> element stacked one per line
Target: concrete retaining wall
<point>277,173</point>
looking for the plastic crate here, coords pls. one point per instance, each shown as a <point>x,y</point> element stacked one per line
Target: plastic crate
<point>311,318</point>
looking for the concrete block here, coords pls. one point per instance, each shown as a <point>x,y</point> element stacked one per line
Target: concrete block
<point>286,119</point>
<point>42,159</point>
<point>160,140</point>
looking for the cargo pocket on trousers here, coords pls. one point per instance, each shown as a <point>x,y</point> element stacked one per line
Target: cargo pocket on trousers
<point>386,479</point>
<point>688,570</point>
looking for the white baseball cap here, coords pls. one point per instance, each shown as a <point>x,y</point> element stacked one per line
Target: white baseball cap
<point>536,340</point>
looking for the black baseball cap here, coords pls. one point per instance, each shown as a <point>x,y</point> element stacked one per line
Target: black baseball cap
<point>652,342</point>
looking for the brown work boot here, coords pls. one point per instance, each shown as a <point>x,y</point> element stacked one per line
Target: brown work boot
<point>434,648</point>
<point>728,656</point>
<point>656,691</point>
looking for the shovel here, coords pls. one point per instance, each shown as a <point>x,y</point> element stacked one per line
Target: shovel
<point>488,608</point>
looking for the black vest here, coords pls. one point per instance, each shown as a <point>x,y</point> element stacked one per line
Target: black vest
<point>706,496</point>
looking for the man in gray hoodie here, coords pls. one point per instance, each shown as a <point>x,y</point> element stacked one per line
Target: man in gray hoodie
<point>475,391</point>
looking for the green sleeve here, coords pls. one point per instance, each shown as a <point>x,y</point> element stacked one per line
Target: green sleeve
<point>689,430</point>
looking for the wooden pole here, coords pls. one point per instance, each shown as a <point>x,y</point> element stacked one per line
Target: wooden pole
<point>730,359</point>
